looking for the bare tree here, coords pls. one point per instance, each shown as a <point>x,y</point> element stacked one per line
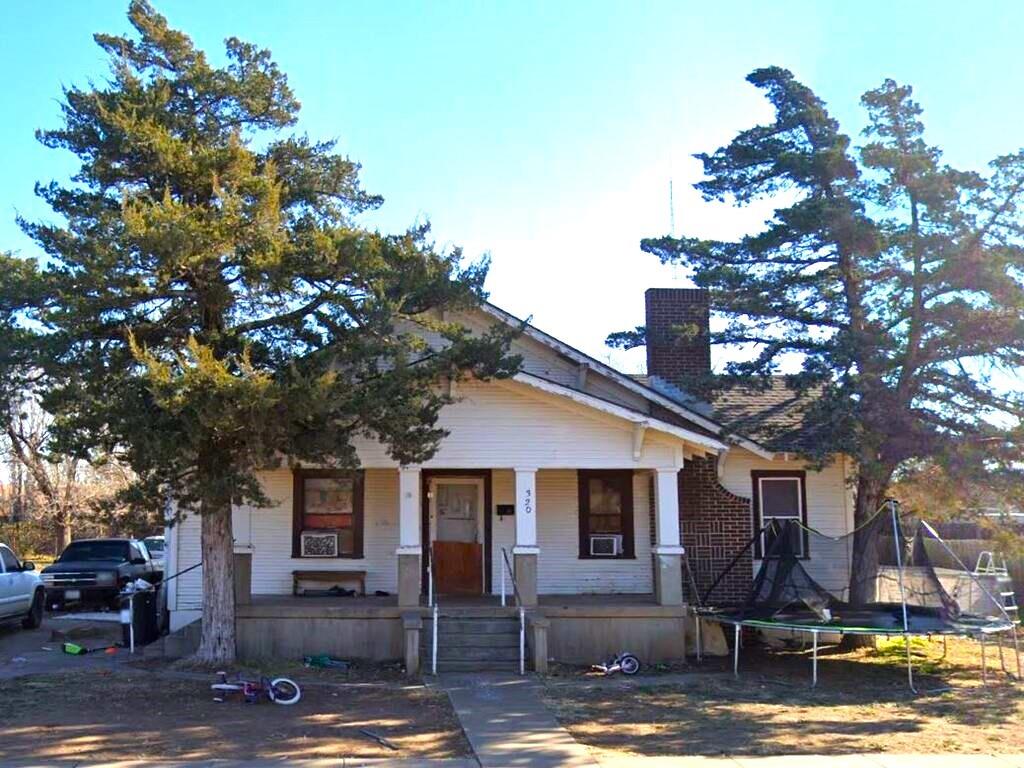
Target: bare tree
<point>61,492</point>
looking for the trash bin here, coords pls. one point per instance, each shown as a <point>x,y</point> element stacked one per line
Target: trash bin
<point>141,612</point>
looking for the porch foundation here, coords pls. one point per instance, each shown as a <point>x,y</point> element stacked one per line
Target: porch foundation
<point>408,580</point>
<point>539,626</point>
<point>526,577</point>
<point>243,578</point>
<point>591,634</point>
<point>668,579</point>
<point>273,627</point>
<point>412,625</point>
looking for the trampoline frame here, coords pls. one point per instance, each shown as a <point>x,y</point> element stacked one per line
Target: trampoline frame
<point>980,634</point>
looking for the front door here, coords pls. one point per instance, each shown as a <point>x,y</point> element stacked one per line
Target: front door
<point>456,526</point>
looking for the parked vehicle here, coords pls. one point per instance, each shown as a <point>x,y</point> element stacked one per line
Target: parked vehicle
<point>155,547</point>
<point>95,570</point>
<point>21,590</point>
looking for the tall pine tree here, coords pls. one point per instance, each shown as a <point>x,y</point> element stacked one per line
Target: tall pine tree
<point>211,304</point>
<point>897,280</point>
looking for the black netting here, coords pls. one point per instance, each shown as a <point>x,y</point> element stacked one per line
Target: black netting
<point>782,584</point>
<point>874,578</point>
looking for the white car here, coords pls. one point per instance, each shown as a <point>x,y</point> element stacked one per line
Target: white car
<point>22,595</point>
<point>155,546</point>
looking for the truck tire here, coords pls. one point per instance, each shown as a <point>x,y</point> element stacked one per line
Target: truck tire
<point>35,613</point>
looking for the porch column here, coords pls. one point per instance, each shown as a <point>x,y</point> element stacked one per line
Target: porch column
<point>409,548</point>
<point>526,550</point>
<point>668,550</point>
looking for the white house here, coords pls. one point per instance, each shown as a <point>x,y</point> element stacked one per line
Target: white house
<point>574,482</point>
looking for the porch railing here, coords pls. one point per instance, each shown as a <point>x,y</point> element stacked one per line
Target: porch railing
<point>519,605</point>
<point>432,602</point>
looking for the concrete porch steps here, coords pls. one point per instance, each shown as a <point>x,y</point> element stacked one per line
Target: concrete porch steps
<point>473,640</point>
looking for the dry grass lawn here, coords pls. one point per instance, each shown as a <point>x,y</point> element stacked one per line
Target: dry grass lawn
<point>862,704</point>
<point>132,714</point>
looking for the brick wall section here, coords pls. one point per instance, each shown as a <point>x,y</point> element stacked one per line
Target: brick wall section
<point>716,525</point>
<point>676,358</point>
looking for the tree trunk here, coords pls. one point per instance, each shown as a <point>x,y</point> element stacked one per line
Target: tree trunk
<point>864,558</point>
<point>63,534</point>
<point>217,644</point>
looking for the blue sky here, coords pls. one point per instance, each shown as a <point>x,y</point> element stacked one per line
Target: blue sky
<point>545,133</point>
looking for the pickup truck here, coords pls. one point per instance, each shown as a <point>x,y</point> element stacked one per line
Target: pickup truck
<point>21,591</point>
<point>95,570</point>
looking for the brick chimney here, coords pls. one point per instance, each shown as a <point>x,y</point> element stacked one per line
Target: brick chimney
<point>673,355</point>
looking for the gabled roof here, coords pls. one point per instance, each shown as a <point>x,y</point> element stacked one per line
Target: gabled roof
<point>637,418</point>
<point>775,416</point>
<point>699,417</point>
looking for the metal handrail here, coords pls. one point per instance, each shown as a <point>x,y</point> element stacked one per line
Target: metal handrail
<point>519,605</point>
<point>512,575</point>
<point>432,602</point>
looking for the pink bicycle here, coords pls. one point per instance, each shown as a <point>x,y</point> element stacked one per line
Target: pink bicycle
<point>280,690</point>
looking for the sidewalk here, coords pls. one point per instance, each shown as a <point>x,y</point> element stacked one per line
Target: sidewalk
<point>534,758</point>
<point>508,725</point>
<point>874,760</point>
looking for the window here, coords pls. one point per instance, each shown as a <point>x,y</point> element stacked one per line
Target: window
<point>606,514</point>
<point>10,562</point>
<point>95,550</point>
<point>780,496</point>
<point>138,551</point>
<point>328,509</point>
<point>154,545</point>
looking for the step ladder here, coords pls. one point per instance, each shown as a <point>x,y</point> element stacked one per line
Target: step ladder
<point>988,565</point>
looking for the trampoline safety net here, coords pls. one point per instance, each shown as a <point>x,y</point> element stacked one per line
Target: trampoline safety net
<point>904,583</point>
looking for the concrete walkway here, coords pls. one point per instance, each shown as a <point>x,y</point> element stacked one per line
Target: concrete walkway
<point>508,725</point>
<point>873,760</point>
<point>797,761</point>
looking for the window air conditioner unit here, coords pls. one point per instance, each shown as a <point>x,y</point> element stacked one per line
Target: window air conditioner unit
<point>609,545</point>
<point>319,544</point>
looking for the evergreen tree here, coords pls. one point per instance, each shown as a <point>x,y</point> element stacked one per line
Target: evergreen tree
<point>895,278</point>
<point>210,304</point>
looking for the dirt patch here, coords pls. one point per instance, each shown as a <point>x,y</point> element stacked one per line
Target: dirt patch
<point>129,714</point>
<point>862,704</point>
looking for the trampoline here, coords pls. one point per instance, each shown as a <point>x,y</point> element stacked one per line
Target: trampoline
<point>901,591</point>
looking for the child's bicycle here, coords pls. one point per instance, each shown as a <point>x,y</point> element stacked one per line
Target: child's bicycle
<point>280,690</point>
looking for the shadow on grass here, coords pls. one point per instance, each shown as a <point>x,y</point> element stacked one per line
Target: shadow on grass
<point>94,716</point>
<point>862,704</point>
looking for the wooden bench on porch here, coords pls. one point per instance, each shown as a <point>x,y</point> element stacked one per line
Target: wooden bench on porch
<point>329,578</point>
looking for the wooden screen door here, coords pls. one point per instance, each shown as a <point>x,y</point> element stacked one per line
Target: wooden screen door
<point>456,525</point>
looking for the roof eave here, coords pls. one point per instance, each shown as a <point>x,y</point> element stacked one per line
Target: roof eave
<point>631,384</point>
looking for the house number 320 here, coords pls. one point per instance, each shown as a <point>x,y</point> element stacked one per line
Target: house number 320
<point>528,502</point>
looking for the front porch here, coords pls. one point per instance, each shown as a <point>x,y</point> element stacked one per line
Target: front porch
<point>574,629</point>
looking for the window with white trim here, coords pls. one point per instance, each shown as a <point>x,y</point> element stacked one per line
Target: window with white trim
<point>780,497</point>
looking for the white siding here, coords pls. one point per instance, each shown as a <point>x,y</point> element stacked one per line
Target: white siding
<point>559,568</point>
<point>190,586</point>
<point>268,534</point>
<point>560,571</point>
<point>506,424</point>
<point>829,510</point>
<point>541,360</point>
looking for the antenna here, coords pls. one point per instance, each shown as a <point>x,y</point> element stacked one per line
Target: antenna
<point>671,211</point>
